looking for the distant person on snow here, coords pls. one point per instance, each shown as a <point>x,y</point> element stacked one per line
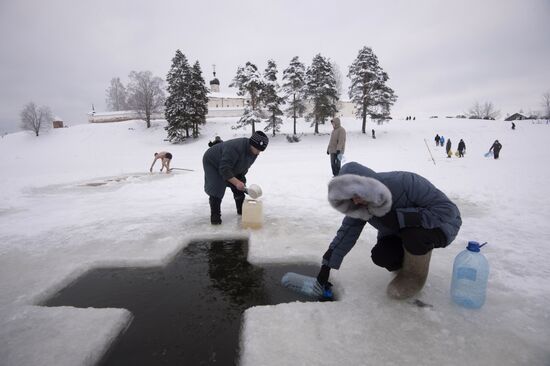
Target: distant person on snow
<point>448,148</point>
<point>217,140</point>
<point>437,140</point>
<point>225,165</point>
<point>442,140</point>
<point>165,157</point>
<point>513,126</point>
<point>373,134</point>
<point>495,148</point>
<point>336,145</point>
<point>461,148</point>
<point>411,215</point>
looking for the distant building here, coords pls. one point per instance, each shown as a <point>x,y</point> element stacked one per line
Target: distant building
<point>118,116</point>
<point>515,117</point>
<point>57,122</point>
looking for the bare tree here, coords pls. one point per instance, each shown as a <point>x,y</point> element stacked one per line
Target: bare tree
<point>34,118</point>
<point>145,94</point>
<point>546,105</point>
<point>116,96</point>
<point>485,111</point>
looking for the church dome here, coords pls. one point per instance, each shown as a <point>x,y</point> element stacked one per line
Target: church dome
<point>214,81</point>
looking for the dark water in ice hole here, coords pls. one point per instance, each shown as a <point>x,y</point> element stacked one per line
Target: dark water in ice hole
<point>188,312</point>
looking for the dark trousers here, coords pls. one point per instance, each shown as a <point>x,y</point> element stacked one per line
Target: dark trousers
<point>335,164</point>
<point>215,202</point>
<point>238,196</point>
<point>389,250</point>
<point>495,153</point>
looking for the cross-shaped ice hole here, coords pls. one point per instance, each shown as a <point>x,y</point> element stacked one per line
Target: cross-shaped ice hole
<point>188,312</point>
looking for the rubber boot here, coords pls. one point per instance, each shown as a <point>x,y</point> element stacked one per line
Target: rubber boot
<point>215,210</point>
<point>239,204</point>
<point>411,277</point>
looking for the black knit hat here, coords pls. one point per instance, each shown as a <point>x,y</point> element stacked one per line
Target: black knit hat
<point>259,140</point>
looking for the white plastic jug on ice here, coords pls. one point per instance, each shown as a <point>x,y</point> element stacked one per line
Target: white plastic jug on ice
<point>253,216</point>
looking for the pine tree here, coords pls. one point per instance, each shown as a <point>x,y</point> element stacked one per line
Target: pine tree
<point>293,87</point>
<point>272,101</point>
<point>176,105</point>
<point>249,118</point>
<point>321,90</point>
<point>198,99</point>
<point>248,81</point>
<point>368,89</point>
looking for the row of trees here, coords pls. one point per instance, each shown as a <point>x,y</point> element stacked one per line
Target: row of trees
<point>316,86</point>
<point>315,89</point>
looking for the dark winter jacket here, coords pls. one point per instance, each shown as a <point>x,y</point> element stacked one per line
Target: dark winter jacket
<point>223,161</point>
<point>496,147</point>
<point>448,146</point>
<point>413,199</point>
<point>461,146</point>
<point>437,138</point>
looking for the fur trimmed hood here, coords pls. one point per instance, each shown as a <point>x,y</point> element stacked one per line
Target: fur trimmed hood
<point>341,190</point>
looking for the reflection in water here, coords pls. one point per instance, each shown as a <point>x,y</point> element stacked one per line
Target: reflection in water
<point>188,312</point>
<point>233,275</point>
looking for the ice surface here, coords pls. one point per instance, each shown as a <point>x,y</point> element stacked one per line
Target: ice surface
<point>82,196</point>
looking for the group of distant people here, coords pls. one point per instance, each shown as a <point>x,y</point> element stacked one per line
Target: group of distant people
<point>461,149</point>
<point>409,118</point>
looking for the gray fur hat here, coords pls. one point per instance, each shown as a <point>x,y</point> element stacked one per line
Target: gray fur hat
<point>341,190</point>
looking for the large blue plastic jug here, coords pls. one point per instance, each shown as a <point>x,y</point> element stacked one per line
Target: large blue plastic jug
<point>470,275</point>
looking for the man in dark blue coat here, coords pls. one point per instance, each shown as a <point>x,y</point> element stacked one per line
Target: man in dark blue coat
<point>225,165</point>
<point>411,215</point>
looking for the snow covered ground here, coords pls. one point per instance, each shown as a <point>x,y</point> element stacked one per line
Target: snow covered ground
<point>58,219</point>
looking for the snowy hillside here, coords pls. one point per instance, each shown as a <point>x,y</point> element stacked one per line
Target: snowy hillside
<point>83,196</point>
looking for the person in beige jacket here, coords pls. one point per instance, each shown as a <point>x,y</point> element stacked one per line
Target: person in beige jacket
<point>336,145</point>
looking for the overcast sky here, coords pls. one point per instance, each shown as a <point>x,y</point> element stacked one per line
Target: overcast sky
<point>441,56</point>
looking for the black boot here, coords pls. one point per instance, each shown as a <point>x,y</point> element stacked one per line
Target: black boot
<point>239,204</point>
<point>215,210</point>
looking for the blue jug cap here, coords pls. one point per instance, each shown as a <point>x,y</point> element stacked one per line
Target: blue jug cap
<point>473,246</point>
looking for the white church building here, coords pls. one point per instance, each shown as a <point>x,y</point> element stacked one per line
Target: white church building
<point>220,104</point>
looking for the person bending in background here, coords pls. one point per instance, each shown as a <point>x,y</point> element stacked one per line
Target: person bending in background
<point>165,157</point>
<point>225,165</point>
<point>336,145</point>
<point>411,215</point>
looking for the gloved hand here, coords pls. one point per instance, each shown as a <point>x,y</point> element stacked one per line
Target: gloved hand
<point>324,287</point>
<point>323,275</point>
<point>389,220</point>
<point>328,153</point>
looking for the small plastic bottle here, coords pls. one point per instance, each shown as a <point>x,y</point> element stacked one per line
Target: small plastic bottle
<point>470,275</point>
<point>306,285</point>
